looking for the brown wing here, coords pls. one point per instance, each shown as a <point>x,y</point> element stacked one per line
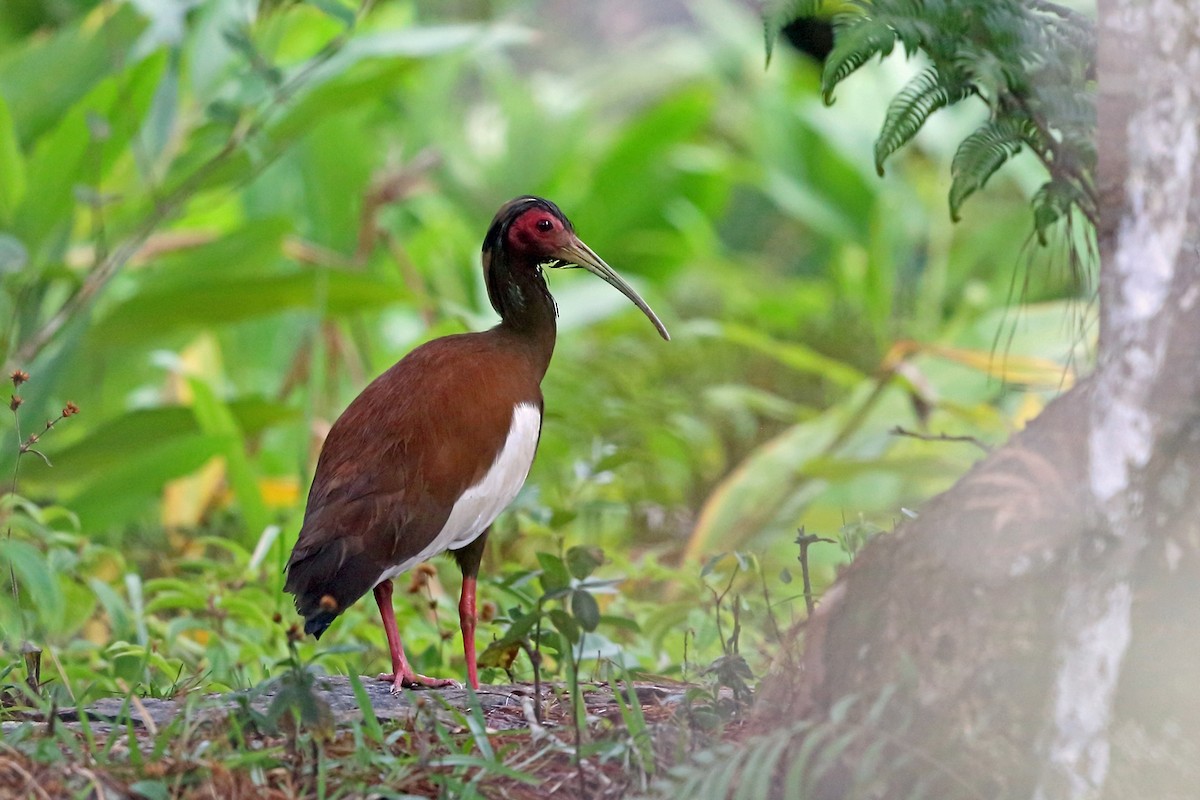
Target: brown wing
<point>396,461</point>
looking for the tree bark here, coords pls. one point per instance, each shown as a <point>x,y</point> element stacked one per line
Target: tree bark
<point>1037,628</point>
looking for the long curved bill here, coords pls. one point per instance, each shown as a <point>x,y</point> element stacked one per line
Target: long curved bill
<point>577,254</point>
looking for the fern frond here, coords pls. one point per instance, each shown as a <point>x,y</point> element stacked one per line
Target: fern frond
<point>1052,202</point>
<point>981,154</point>
<point>908,111</point>
<point>777,14</point>
<point>857,40</point>
<point>916,22</point>
<point>1031,61</point>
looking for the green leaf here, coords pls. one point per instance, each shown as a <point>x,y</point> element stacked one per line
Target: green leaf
<point>39,589</point>
<point>499,655</point>
<point>71,151</point>
<point>53,72</point>
<point>582,560</point>
<point>634,182</point>
<point>217,420</point>
<point>153,314</point>
<point>793,355</point>
<point>150,789</point>
<point>982,153</point>
<point>296,695</point>
<point>924,94</point>
<point>360,84</point>
<point>370,720</point>
<point>337,10</point>
<point>554,573</point>
<point>120,618</point>
<point>856,41</point>
<point>766,490</point>
<point>1052,202</point>
<point>132,488</point>
<point>131,436</point>
<point>710,564</point>
<point>565,624</point>
<point>585,609</point>
<point>761,767</point>
<point>12,166</point>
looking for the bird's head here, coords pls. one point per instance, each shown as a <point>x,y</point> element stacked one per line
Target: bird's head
<point>532,233</point>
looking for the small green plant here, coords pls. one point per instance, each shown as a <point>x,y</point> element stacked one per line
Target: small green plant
<point>560,620</point>
<point>855,534</point>
<point>730,670</point>
<point>560,617</point>
<point>43,606</point>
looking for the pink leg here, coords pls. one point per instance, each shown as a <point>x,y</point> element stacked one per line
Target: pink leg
<point>466,620</point>
<point>401,676</point>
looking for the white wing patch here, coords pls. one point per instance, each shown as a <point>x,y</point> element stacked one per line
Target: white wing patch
<point>479,505</point>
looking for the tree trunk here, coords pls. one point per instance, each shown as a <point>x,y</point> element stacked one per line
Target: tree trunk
<point>1037,628</point>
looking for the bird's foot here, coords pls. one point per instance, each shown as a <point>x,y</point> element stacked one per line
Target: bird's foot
<point>412,680</point>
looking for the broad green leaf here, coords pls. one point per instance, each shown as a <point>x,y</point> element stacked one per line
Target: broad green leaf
<point>359,85</point>
<point>151,315</point>
<point>751,496</point>
<point>634,179</point>
<point>499,655</point>
<point>794,355</point>
<point>12,166</point>
<point>39,589</point>
<point>370,720</point>
<point>217,420</point>
<point>129,437</point>
<point>582,560</point>
<point>810,206</point>
<point>81,149</point>
<point>52,73</point>
<point>337,10</point>
<point>253,249</point>
<point>120,618</point>
<point>131,489</point>
<point>519,628</point>
<point>585,610</point>
<point>554,572</point>
<point>565,624</point>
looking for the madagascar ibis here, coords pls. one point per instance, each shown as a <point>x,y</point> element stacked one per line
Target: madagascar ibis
<point>434,448</point>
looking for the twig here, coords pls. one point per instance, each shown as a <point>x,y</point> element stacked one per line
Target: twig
<point>939,437</point>
<point>718,599</point>
<point>804,540</point>
<point>774,624</point>
<point>535,658</point>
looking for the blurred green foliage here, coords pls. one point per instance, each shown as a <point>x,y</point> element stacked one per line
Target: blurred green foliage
<point>220,219</point>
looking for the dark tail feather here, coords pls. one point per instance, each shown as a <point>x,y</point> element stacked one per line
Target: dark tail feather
<point>326,581</point>
<point>317,623</point>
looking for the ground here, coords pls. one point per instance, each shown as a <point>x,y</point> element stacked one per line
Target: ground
<point>308,736</point>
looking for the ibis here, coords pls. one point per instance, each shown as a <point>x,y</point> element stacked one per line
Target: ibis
<point>427,456</point>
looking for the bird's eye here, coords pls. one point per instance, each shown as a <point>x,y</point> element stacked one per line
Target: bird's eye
<point>544,225</point>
